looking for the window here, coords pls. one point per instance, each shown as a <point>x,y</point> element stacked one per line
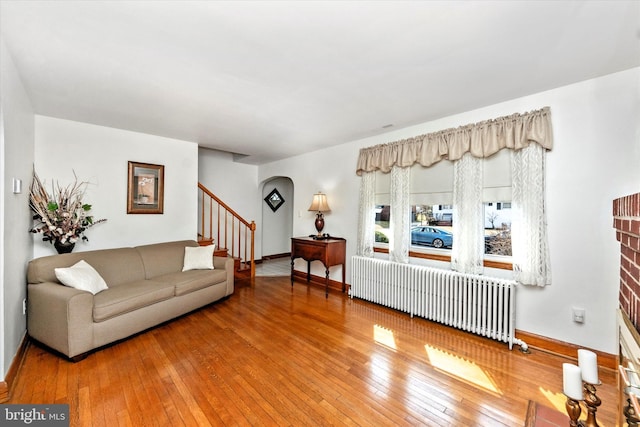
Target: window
<point>432,227</point>
<point>432,211</point>
<point>480,176</point>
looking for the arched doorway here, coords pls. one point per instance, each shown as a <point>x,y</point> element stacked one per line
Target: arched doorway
<point>277,218</point>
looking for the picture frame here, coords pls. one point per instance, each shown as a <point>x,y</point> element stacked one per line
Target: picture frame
<point>145,188</point>
<point>274,199</point>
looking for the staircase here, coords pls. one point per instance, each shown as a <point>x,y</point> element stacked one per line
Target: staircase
<point>233,235</point>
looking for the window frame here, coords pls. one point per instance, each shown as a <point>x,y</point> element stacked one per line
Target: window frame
<point>383,248</point>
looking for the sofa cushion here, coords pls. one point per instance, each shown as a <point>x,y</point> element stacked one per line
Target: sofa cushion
<point>81,276</point>
<point>192,280</point>
<point>198,258</point>
<point>129,297</point>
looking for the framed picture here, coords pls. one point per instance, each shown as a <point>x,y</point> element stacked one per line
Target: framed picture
<point>274,200</point>
<point>145,188</point>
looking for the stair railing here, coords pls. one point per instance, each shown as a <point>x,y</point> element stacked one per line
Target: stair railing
<point>228,230</point>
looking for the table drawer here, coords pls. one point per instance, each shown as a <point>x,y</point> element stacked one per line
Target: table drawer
<point>309,252</point>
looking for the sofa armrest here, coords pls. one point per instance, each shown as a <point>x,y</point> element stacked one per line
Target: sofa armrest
<point>227,264</point>
<point>60,317</point>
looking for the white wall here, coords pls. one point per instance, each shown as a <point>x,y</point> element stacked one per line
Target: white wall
<point>595,159</point>
<point>16,152</point>
<point>100,156</point>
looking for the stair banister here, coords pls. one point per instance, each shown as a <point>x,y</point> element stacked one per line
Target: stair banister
<point>246,248</point>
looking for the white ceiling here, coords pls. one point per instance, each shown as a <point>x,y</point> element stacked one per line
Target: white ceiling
<point>271,79</point>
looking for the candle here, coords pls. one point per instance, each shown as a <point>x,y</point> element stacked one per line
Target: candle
<point>572,381</point>
<point>588,362</point>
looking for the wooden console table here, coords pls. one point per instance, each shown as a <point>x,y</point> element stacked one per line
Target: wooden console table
<point>330,252</point>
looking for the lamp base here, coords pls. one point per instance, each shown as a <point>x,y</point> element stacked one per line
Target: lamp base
<point>319,223</point>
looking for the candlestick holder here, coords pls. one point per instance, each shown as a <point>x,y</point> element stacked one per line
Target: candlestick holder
<point>629,411</point>
<point>573,410</point>
<point>580,381</point>
<point>592,402</point>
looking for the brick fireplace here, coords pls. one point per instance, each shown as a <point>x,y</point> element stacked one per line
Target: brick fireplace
<point>626,221</point>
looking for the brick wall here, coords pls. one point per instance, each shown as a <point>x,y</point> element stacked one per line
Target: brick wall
<point>626,221</point>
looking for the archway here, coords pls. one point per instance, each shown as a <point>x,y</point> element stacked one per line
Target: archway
<point>277,217</point>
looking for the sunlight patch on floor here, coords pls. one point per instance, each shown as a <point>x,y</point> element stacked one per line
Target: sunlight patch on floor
<point>557,400</point>
<point>384,336</point>
<point>460,368</point>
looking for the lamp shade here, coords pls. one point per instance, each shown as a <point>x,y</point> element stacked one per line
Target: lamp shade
<point>319,203</point>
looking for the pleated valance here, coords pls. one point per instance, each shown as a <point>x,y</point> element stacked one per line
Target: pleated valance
<point>481,139</point>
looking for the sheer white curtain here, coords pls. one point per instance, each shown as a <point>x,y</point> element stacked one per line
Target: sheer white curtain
<point>366,215</point>
<point>467,252</point>
<point>400,223</point>
<point>531,260</point>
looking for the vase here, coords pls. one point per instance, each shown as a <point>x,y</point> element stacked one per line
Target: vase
<point>63,248</point>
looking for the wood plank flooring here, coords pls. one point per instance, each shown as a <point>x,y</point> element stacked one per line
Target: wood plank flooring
<point>271,355</point>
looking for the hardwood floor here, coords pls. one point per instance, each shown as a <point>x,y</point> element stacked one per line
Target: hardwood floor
<point>273,355</point>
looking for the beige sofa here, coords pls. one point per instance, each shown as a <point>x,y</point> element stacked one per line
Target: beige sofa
<point>146,286</point>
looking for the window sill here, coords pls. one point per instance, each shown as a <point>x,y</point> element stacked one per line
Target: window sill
<point>446,258</point>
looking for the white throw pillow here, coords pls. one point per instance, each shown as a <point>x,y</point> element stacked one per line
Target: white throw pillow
<point>198,258</point>
<point>81,276</point>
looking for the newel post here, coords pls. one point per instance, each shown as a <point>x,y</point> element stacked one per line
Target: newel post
<point>253,258</point>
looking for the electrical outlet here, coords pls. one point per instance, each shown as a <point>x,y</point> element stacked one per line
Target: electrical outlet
<point>24,306</point>
<point>578,315</point>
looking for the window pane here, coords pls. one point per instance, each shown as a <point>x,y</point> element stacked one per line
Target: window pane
<point>497,228</point>
<point>382,223</point>
<point>431,226</point>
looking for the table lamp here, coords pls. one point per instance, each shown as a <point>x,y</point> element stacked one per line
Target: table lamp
<point>319,204</point>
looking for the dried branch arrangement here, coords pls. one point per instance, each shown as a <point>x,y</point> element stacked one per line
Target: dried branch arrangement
<point>61,216</point>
